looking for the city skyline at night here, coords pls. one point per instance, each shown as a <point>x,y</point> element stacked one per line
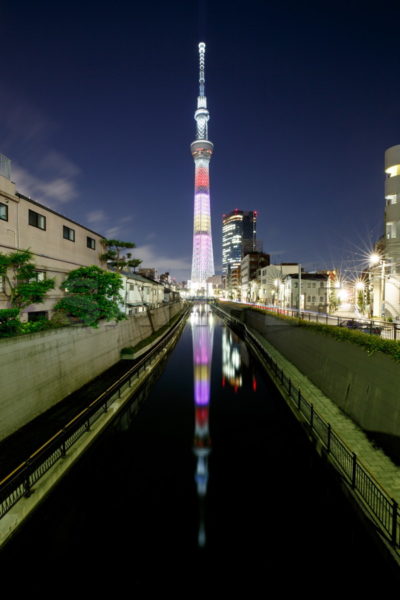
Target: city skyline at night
<point>304,105</point>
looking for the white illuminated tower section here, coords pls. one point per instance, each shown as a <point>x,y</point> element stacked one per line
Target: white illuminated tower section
<point>202,148</point>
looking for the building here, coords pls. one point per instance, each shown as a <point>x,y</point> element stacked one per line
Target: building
<point>310,291</point>
<point>249,269</point>
<point>238,238</point>
<point>271,282</point>
<point>58,244</point>
<point>139,293</point>
<point>385,264</point>
<point>151,273</point>
<point>202,149</point>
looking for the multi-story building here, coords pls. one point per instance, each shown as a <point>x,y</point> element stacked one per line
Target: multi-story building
<point>386,263</point>
<point>238,238</point>
<point>310,291</point>
<point>250,266</point>
<point>58,244</point>
<point>140,292</point>
<point>271,282</point>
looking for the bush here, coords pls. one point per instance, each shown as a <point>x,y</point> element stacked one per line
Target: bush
<point>9,322</point>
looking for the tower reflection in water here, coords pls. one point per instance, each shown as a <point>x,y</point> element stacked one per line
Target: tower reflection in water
<point>202,323</point>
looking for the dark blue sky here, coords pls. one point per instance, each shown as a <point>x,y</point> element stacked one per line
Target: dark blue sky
<point>97,104</point>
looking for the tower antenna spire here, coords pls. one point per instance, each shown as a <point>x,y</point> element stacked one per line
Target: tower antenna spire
<point>202,78</point>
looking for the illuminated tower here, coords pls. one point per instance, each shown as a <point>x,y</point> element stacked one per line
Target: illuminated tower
<point>202,148</point>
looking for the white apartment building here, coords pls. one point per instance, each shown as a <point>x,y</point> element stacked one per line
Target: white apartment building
<point>386,264</point>
<point>310,291</point>
<point>271,289</point>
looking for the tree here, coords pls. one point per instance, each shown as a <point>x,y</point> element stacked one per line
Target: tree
<point>115,256</point>
<point>22,286</point>
<point>92,294</point>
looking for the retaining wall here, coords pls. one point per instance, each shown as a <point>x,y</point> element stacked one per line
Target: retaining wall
<point>40,369</point>
<point>366,387</point>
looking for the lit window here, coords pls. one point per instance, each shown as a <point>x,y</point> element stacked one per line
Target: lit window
<point>68,234</point>
<point>91,243</point>
<point>37,220</point>
<point>3,211</point>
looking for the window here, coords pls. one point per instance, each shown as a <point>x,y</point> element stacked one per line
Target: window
<point>3,211</point>
<point>38,315</point>
<point>40,275</point>
<point>1,284</point>
<point>68,234</point>
<point>37,220</point>
<point>321,299</point>
<point>91,243</point>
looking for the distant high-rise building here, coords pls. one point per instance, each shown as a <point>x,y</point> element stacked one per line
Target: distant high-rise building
<point>202,149</point>
<point>238,238</point>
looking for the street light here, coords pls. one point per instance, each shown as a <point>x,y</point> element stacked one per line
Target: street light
<point>376,259</point>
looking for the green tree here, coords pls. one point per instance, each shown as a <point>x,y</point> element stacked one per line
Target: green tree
<point>361,300</point>
<point>116,255</point>
<point>92,294</point>
<point>22,286</point>
<point>9,322</point>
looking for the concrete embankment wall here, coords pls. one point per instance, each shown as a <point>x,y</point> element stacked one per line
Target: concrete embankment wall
<point>366,387</point>
<point>39,370</point>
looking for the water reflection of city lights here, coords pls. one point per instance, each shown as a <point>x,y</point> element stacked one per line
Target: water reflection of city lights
<point>231,362</point>
<point>202,323</point>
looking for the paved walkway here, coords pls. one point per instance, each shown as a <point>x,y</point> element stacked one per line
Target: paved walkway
<point>374,459</point>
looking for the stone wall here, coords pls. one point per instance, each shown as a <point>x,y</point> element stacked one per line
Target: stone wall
<point>40,369</point>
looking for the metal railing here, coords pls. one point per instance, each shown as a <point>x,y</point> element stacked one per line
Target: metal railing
<point>19,483</point>
<point>367,490</point>
<point>386,329</point>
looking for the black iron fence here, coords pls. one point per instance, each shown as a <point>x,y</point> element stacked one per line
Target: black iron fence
<point>19,483</point>
<point>367,490</point>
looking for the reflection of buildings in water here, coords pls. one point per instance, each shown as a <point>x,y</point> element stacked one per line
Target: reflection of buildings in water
<point>231,360</point>
<point>202,322</point>
<point>234,356</point>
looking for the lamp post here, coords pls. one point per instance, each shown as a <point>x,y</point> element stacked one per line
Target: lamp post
<point>375,260</point>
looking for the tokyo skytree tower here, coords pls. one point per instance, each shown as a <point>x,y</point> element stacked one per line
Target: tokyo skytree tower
<point>202,148</point>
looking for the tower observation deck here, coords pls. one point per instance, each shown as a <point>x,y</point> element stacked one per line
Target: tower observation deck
<point>202,149</point>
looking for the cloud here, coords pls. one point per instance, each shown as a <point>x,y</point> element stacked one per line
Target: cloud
<point>41,173</point>
<point>95,217</point>
<point>151,258</point>
<point>51,191</point>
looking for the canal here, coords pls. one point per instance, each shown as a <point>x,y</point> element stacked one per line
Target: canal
<point>205,483</point>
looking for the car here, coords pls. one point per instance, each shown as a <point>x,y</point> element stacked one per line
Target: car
<point>364,326</point>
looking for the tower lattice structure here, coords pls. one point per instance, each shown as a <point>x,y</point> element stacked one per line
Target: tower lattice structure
<point>202,149</point>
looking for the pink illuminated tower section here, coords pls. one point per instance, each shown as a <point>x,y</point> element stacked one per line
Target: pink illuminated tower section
<point>202,148</point>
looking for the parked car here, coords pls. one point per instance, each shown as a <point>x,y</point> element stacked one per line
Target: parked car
<point>364,326</point>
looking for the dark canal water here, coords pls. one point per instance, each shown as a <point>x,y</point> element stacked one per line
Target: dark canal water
<point>210,487</point>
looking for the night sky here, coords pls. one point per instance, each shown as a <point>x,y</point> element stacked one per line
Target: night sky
<point>97,103</point>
